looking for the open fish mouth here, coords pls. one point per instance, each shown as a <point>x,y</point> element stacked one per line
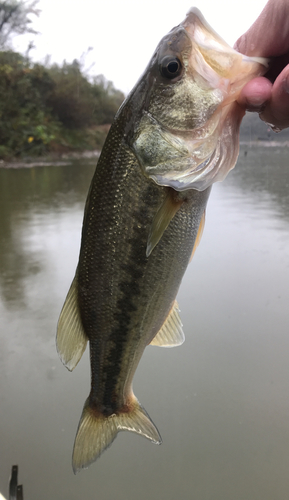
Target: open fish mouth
<point>204,145</point>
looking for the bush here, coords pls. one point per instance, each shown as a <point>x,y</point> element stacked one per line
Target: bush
<point>24,93</point>
<point>42,107</point>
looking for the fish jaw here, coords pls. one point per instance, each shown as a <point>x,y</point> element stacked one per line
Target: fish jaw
<point>207,161</point>
<point>218,64</point>
<point>188,136</point>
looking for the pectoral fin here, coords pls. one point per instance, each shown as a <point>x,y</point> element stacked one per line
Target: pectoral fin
<point>71,339</point>
<point>199,234</point>
<point>163,217</point>
<point>171,333</point>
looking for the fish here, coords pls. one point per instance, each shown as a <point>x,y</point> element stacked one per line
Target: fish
<point>175,135</point>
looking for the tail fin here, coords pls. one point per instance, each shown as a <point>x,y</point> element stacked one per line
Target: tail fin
<point>96,432</point>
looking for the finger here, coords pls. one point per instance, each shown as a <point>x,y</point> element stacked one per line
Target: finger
<point>268,35</point>
<point>255,94</point>
<point>276,111</point>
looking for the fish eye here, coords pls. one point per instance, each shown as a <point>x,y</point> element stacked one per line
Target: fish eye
<point>170,67</point>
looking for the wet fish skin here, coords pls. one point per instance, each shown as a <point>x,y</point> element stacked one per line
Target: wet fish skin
<point>144,210</point>
<point>130,298</point>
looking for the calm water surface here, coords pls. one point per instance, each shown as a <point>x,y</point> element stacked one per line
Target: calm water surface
<point>221,401</point>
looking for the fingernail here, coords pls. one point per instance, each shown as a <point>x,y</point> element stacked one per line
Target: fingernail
<point>256,104</point>
<point>256,101</point>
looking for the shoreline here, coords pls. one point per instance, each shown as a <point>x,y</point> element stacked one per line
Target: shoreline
<point>57,160</point>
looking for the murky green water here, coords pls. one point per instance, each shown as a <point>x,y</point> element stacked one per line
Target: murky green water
<point>221,401</point>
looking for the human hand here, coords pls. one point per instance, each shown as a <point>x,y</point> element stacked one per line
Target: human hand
<point>269,37</point>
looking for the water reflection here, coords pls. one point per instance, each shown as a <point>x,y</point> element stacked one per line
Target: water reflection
<point>220,401</point>
<point>30,200</point>
<point>264,170</point>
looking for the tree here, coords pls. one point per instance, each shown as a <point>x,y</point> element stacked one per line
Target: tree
<point>26,121</point>
<point>107,99</point>
<point>14,19</point>
<point>52,108</point>
<point>71,100</point>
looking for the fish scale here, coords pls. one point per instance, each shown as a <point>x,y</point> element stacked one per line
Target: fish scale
<point>126,297</point>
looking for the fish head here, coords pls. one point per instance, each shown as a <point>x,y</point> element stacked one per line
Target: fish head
<point>188,134</point>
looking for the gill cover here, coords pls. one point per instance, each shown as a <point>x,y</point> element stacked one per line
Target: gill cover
<point>187,137</point>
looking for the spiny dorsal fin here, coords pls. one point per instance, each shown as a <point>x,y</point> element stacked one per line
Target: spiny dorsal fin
<point>199,234</point>
<point>96,432</point>
<point>171,333</point>
<point>71,339</point>
<point>163,217</point>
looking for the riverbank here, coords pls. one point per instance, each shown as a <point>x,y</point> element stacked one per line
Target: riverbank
<point>55,159</point>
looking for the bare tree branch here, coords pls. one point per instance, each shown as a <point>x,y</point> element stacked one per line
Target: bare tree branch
<point>14,19</point>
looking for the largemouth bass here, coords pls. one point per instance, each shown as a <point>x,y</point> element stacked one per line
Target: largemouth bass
<point>174,135</point>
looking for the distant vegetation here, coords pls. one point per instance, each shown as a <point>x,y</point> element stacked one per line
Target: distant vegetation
<point>46,108</point>
<point>53,108</point>
<point>15,20</point>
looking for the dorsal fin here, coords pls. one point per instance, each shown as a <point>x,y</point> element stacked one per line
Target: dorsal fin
<point>161,220</point>
<point>71,338</point>
<point>171,333</point>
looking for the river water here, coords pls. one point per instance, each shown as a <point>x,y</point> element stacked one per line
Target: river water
<point>220,401</point>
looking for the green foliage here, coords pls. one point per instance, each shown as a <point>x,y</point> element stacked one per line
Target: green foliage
<point>57,108</point>
<point>71,100</point>
<point>107,100</point>
<point>24,113</point>
<point>78,103</point>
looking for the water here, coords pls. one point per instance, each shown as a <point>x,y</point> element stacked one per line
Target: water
<point>220,401</point>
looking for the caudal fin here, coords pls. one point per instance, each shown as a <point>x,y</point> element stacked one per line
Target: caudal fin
<point>96,432</point>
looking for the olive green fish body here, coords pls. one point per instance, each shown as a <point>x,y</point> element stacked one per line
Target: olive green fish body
<point>173,137</point>
<point>120,297</point>
<point>125,296</point>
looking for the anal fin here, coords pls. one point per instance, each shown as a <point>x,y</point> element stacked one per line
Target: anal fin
<point>71,338</point>
<point>171,333</point>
